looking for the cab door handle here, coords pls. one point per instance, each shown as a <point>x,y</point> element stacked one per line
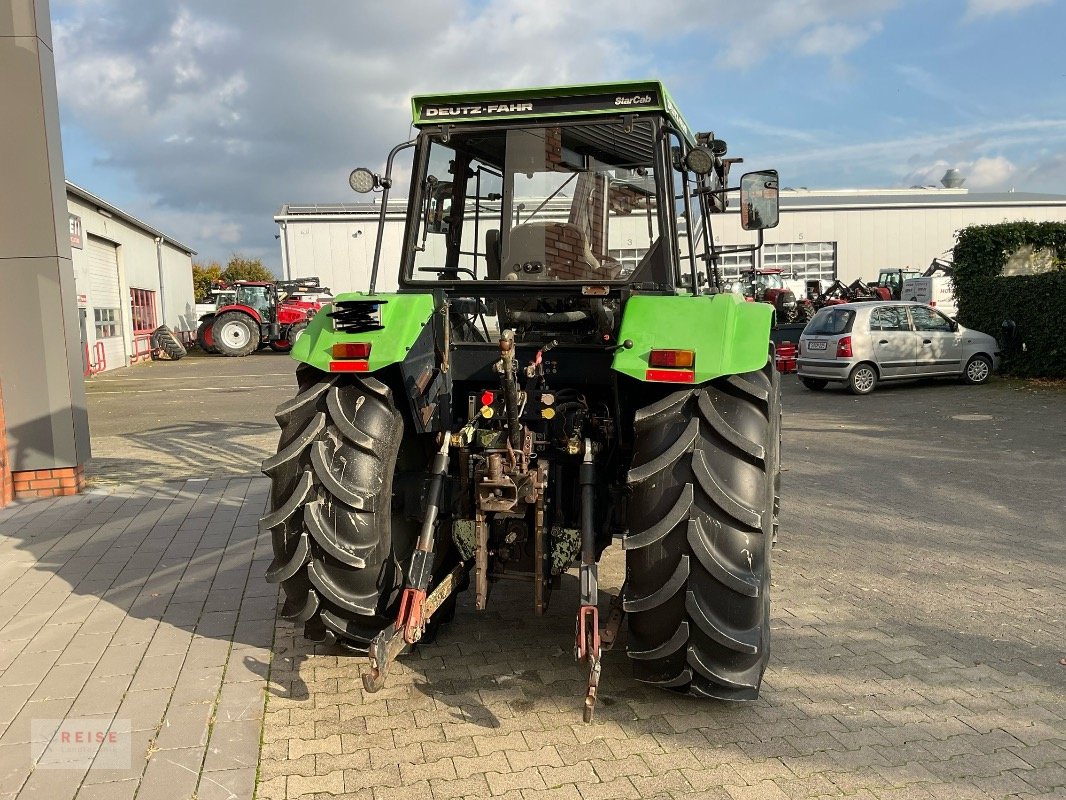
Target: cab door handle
<point>927,341</point>
<point>883,341</point>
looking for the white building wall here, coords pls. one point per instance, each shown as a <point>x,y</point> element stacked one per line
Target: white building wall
<point>340,249</point>
<point>138,267</point>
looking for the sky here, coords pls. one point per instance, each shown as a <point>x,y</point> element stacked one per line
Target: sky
<point>204,117</point>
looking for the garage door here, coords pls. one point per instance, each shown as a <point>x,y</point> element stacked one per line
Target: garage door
<point>106,299</point>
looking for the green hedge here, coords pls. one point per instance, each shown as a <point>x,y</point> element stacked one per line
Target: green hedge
<point>1036,303</point>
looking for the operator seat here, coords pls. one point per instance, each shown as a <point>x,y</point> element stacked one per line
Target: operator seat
<point>541,251</point>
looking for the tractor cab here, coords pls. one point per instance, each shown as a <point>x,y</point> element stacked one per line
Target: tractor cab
<point>259,296</point>
<point>759,282</point>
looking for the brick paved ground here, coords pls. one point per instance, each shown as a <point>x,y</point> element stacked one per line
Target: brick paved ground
<point>918,626</point>
<point>137,605</point>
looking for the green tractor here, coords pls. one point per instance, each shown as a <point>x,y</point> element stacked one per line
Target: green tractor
<point>558,370</point>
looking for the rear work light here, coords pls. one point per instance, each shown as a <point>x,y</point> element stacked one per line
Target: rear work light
<point>672,358</point>
<point>844,347</point>
<point>352,350</point>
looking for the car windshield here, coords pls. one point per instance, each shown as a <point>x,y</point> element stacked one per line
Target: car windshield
<point>830,322</point>
<point>545,203</point>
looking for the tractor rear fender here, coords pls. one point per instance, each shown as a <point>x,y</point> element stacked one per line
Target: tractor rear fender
<point>251,312</point>
<point>729,336</point>
<point>401,316</point>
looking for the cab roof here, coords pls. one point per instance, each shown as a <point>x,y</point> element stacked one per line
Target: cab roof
<point>549,102</point>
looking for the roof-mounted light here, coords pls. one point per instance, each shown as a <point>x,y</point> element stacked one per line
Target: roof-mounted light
<point>699,160</point>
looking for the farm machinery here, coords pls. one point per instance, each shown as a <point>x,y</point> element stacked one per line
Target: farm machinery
<point>525,400</point>
<point>767,286</point>
<point>254,314</point>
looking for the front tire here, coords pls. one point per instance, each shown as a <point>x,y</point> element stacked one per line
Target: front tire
<point>235,334</point>
<point>978,370</point>
<point>338,544</point>
<point>702,516</point>
<point>863,379</point>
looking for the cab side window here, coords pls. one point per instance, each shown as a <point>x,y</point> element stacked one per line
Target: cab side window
<point>926,319</point>
<point>891,318</point>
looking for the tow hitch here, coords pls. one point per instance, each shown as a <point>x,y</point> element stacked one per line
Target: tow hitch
<point>391,642</point>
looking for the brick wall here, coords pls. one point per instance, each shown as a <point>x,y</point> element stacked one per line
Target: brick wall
<point>55,482</point>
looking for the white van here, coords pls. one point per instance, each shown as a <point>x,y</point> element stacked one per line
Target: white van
<point>937,291</point>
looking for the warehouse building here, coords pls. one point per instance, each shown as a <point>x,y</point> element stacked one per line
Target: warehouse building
<point>844,234</point>
<point>129,278</point>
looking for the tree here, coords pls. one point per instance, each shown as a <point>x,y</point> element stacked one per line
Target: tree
<point>240,268</point>
<point>204,273</point>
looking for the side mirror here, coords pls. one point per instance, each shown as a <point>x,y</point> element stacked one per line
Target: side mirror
<point>759,200</point>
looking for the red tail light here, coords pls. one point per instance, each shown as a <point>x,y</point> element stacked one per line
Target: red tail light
<point>844,347</point>
<point>672,358</point>
<point>351,350</point>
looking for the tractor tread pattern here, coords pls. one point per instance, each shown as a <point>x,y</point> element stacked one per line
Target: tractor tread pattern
<point>702,508</point>
<point>663,593</point>
<point>295,500</point>
<point>330,509</point>
<point>348,428</point>
<point>669,456</point>
<point>323,468</point>
<point>300,611</point>
<point>717,491</point>
<point>702,548</point>
<point>280,571</point>
<point>304,400</point>
<point>325,537</point>
<point>667,648</point>
<point>652,414</point>
<point>299,443</point>
<point>728,432</point>
<point>663,526</point>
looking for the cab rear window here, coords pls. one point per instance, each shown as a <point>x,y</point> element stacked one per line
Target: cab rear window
<point>830,322</point>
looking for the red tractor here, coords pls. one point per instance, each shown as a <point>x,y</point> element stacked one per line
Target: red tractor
<point>766,286</point>
<point>262,313</point>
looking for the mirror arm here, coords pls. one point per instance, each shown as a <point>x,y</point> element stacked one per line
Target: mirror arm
<point>386,185</point>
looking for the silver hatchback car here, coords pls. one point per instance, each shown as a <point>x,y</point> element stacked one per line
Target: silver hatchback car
<point>861,344</point>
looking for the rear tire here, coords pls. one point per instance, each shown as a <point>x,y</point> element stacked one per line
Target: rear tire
<point>235,334</point>
<point>203,336</point>
<point>863,378</point>
<point>338,544</point>
<point>164,339</point>
<point>702,517</point>
<point>815,384</point>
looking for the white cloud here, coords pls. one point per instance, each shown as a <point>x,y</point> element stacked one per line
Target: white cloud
<point>227,110</point>
<point>981,174</point>
<point>837,39</point>
<point>989,8</point>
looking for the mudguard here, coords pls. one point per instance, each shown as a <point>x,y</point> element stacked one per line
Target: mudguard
<point>402,318</point>
<point>728,335</point>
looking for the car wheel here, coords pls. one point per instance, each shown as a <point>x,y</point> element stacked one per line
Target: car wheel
<point>978,370</point>
<point>815,384</point>
<point>863,379</point>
